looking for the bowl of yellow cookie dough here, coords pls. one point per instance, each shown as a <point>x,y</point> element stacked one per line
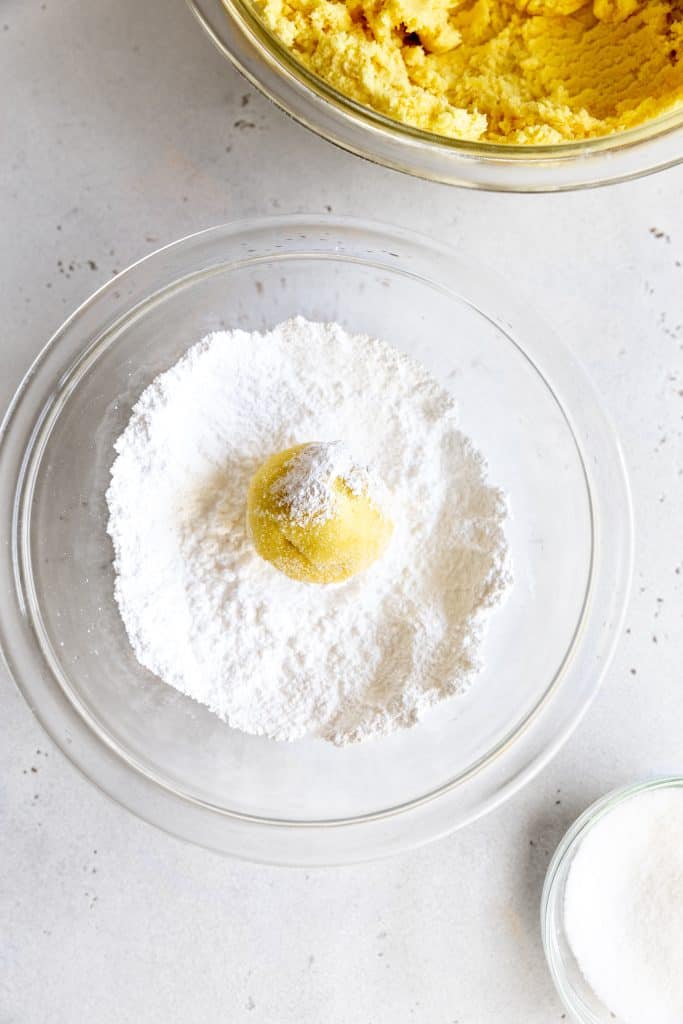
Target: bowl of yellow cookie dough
<point>506,95</point>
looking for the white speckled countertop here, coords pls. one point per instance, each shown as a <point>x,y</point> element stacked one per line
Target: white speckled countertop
<point>121,129</point>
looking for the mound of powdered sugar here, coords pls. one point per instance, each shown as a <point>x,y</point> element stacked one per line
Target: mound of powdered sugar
<point>270,655</point>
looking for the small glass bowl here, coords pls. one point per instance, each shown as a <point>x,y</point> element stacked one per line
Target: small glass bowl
<point>240,35</point>
<point>522,399</point>
<point>574,991</point>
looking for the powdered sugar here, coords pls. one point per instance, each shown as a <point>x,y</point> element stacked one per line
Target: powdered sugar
<point>270,655</point>
<point>306,489</point>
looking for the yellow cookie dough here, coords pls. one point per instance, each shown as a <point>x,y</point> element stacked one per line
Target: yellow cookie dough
<point>524,72</point>
<point>316,515</point>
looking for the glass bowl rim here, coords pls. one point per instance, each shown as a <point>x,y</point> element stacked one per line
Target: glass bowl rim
<point>392,238</point>
<point>554,886</point>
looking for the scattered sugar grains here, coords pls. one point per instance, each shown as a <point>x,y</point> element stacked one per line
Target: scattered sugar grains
<point>624,908</point>
<point>270,655</point>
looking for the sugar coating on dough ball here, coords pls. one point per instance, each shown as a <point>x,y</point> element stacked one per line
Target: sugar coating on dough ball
<point>316,514</point>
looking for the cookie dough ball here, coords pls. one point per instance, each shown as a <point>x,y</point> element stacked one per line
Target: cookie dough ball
<point>317,515</point>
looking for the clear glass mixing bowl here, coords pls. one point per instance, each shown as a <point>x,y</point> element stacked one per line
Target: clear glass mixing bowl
<point>241,36</point>
<point>524,401</point>
<point>575,992</point>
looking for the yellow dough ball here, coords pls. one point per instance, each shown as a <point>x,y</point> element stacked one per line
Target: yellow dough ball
<point>316,515</point>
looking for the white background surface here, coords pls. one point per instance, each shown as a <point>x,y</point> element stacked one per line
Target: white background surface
<point>121,129</point>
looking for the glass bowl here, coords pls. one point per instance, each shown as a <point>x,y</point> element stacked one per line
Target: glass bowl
<point>240,35</point>
<point>574,991</point>
<point>523,400</point>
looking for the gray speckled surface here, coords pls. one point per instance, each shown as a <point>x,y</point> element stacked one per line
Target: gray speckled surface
<point>120,129</point>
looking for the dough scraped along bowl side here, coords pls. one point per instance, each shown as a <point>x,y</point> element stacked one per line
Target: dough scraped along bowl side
<point>524,402</point>
<point>241,37</point>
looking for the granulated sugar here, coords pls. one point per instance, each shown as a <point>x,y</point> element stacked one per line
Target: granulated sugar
<point>624,908</point>
<point>270,655</point>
